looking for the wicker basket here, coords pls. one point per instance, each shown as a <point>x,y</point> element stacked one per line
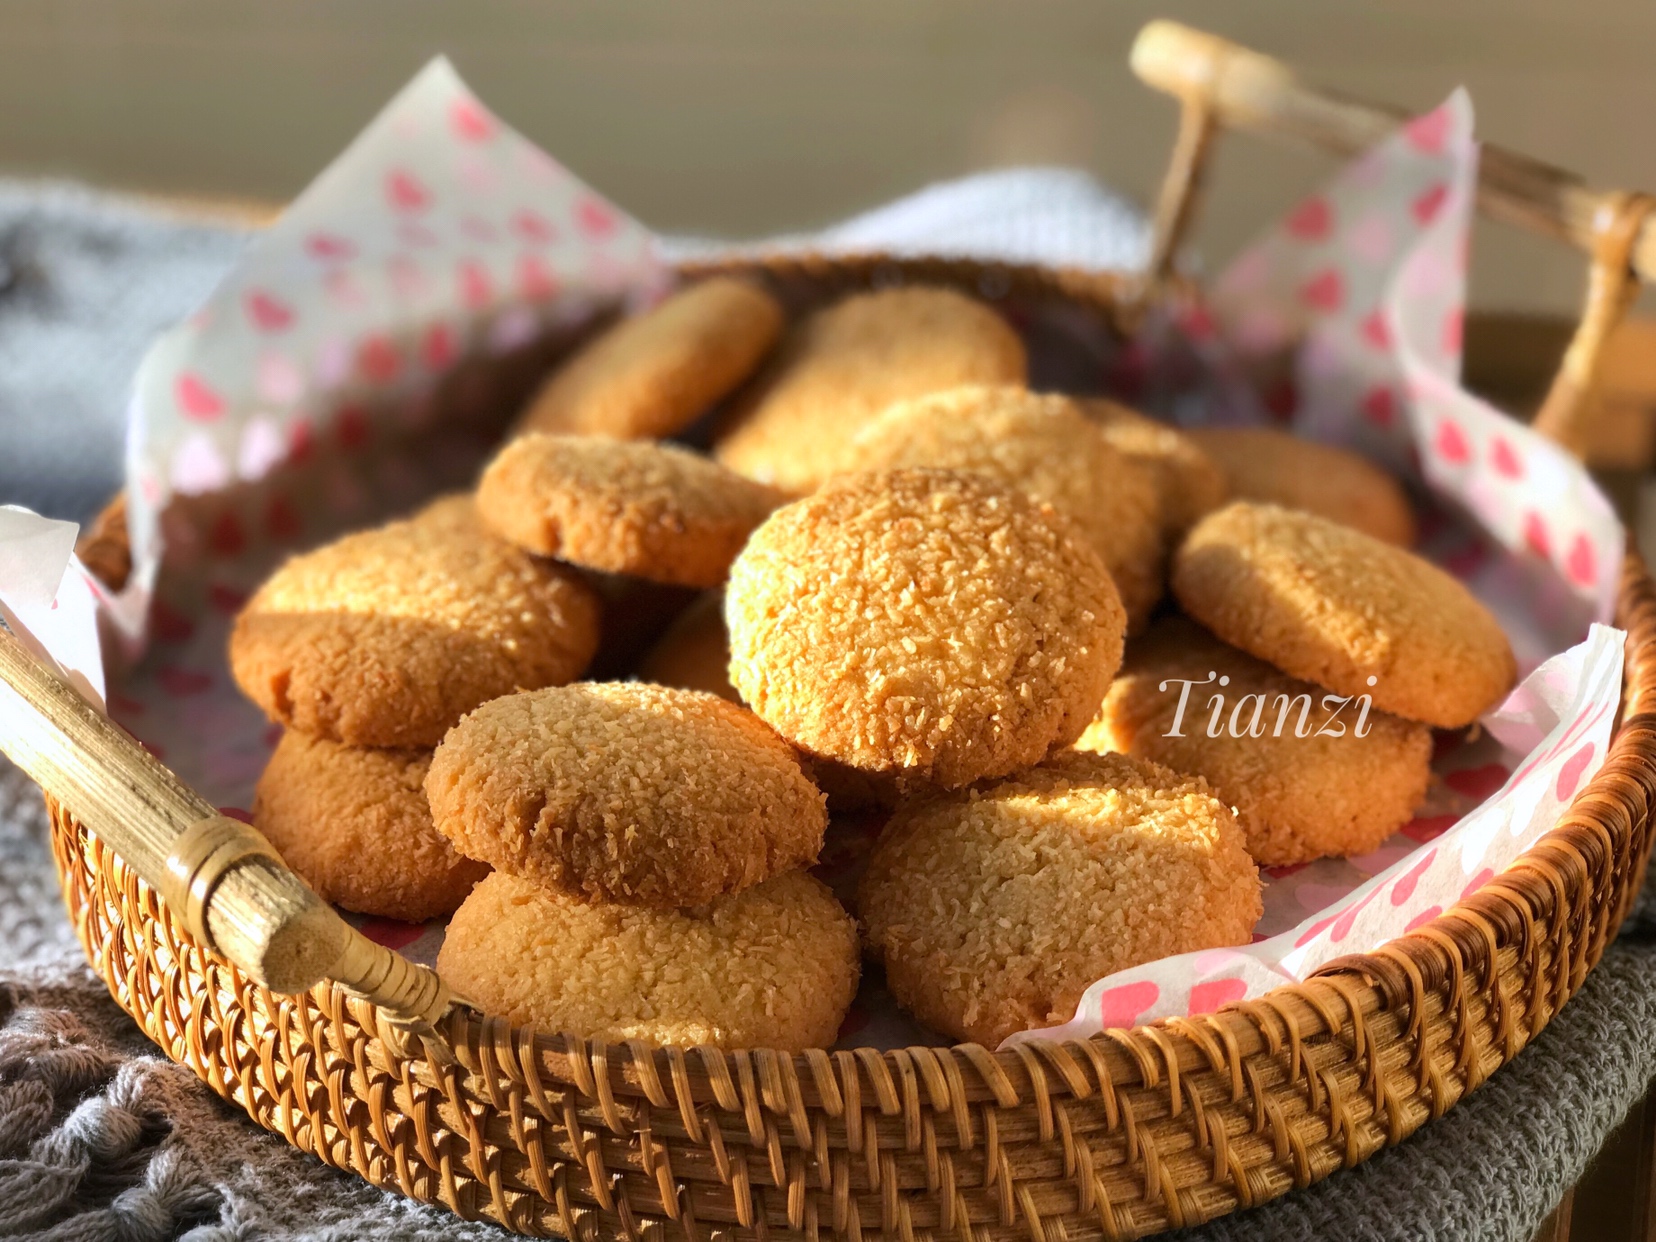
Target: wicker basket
<point>374,1068</point>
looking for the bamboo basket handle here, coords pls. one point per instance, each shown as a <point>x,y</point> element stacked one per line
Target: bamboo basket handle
<point>220,876</point>
<point>1220,84</point>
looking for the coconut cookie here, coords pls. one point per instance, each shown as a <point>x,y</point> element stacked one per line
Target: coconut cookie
<point>1189,483</point>
<point>625,792</point>
<point>1331,605</point>
<point>774,966</point>
<point>651,510</point>
<point>656,373</point>
<point>994,909</point>
<point>845,364</point>
<point>353,822</point>
<point>1042,444</point>
<point>1309,773</point>
<point>923,624</point>
<point>1273,467</point>
<point>388,636</point>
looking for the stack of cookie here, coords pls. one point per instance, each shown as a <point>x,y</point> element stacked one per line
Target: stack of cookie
<point>366,652</point>
<point>644,846</point>
<point>649,847</point>
<point>919,581</point>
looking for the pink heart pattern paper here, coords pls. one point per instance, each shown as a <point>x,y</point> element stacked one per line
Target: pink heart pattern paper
<point>438,234</point>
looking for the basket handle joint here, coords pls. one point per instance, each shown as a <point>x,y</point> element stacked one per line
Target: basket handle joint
<point>1612,284</point>
<point>203,854</point>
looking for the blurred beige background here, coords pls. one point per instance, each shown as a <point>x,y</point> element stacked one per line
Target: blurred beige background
<point>739,117</point>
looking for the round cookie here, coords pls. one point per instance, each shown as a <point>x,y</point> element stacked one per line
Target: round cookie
<point>625,792</point>
<point>774,966</point>
<point>1189,482</point>
<point>994,909</point>
<point>931,625</point>
<point>353,822</point>
<point>635,507</point>
<point>1285,754</point>
<point>656,373</point>
<point>1042,444</point>
<point>846,363</point>
<point>388,636</point>
<point>694,653</point>
<point>1273,467</point>
<point>1331,605</point>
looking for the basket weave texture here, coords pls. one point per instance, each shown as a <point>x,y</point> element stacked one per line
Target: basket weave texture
<point>1119,1136</point>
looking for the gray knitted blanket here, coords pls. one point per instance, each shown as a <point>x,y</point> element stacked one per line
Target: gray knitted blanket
<point>101,1138</point>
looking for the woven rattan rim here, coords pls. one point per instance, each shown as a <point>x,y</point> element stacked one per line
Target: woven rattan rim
<point>1120,1136</point>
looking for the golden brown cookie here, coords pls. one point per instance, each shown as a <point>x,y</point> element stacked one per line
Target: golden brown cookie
<point>773,966</point>
<point>845,364</point>
<point>694,653</point>
<point>656,373</point>
<point>353,822</point>
<point>635,507</point>
<point>993,909</point>
<point>1331,605</point>
<point>1309,773</point>
<point>1041,443</point>
<point>1189,482</point>
<point>625,792</point>
<point>1276,468</point>
<point>924,624</point>
<point>388,636</point>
